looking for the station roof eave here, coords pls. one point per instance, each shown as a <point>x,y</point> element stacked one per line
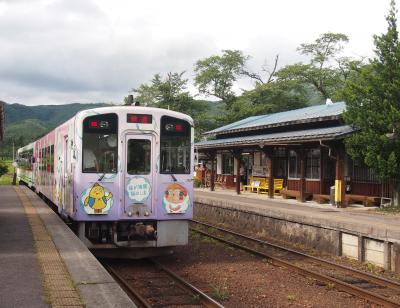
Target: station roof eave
<point>312,114</point>
<point>281,138</point>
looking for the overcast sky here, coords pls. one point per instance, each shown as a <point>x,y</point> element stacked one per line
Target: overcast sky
<point>65,51</point>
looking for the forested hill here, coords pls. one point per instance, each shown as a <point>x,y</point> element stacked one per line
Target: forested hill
<point>24,124</point>
<point>47,114</point>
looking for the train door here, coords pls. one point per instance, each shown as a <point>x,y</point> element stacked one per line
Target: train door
<point>139,173</point>
<point>66,178</point>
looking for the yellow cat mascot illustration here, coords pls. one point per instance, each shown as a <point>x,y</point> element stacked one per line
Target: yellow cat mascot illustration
<point>97,198</point>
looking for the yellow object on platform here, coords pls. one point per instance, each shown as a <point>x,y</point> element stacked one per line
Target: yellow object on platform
<point>338,190</point>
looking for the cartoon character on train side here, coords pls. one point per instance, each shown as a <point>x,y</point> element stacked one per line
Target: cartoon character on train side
<point>176,199</point>
<point>98,200</point>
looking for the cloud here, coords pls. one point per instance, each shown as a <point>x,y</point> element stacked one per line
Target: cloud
<point>60,51</point>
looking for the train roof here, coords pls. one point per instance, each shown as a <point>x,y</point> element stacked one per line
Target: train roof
<point>26,147</point>
<point>135,109</point>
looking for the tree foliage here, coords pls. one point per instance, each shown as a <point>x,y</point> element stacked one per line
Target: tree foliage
<point>3,168</point>
<point>373,105</point>
<point>267,98</point>
<point>170,92</point>
<point>215,75</point>
<point>320,73</point>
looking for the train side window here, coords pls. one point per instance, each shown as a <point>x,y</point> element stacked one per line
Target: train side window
<point>52,158</point>
<point>100,144</point>
<point>175,149</point>
<point>139,156</point>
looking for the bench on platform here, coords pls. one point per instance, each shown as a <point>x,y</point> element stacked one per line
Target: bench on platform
<point>255,183</point>
<point>278,186</point>
<point>286,194</point>
<point>321,198</point>
<point>221,181</point>
<point>365,200</point>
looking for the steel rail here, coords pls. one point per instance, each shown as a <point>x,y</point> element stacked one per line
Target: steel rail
<point>372,278</point>
<point>204,298</point>
<point>141,300</point>
<point>340,285</point>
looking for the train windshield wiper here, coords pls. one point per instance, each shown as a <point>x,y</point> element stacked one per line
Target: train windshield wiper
<point>173,177</point>
<point>101,177</point>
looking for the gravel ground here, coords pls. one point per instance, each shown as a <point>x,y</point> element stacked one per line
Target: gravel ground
<point>363,266</point>
<point>239,279</point>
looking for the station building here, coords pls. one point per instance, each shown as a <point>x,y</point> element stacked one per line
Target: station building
<point>303,147</point>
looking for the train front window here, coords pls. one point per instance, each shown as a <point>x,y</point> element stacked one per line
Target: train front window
<point>174,146</point>
<point>139,156</point>
<point>100,144</point>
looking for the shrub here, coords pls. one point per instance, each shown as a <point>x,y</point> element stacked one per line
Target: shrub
<point>3,168</point>
<point>196,182</point>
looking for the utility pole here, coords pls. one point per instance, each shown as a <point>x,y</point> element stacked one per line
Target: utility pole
<point>14,182</point>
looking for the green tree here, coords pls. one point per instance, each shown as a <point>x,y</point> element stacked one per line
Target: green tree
<point>271,97</point>
<point>373,105</point>
<point>3,168</point>
<point>320,73</point>
<point>215,75</point>
<point>170,92</point>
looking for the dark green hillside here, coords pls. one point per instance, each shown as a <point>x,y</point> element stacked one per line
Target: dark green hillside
<point>24,131</point>
<point>26,123</point>
<point>54,114</point>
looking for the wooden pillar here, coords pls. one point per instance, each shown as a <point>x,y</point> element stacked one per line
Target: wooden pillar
<point>212,180</point>
<point>340,189</point>
<point>237,154</point>
<point>270,164</point>
<point>302,183</point>
<point>321,166</point>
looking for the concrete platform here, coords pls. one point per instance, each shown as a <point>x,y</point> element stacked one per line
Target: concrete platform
<point>310,223</point>
<point>22,251</point>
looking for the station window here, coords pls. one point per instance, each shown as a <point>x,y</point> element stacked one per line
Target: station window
<point>100,144</point>
<point>175,147</point>
<point>139,156</point>
<point>313,164</point>
<point>361,173</point>
<point>227,163</point>
<point>294,165</point>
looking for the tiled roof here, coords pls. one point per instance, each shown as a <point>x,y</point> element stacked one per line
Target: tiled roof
<point>329,133</point>
<point>304,115</point>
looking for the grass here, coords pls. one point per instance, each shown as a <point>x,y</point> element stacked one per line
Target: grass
<point>7,178</point>
<point>389,209</point>
<point>291,297</point>
<point>371,267</point>
<point>220,291</point>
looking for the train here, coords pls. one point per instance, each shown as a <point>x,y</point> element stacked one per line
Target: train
<point>121,176</point>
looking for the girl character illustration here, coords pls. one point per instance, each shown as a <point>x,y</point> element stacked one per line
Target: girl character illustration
<point>97,198</point>
<point>176,199</point>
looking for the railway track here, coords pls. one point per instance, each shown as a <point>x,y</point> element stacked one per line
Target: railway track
<point>150,284</point>
<point>373,288</point>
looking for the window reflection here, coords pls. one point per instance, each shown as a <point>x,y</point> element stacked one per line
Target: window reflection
<point>175,146</point>
<point>139,156</point>
<point>100,144</point>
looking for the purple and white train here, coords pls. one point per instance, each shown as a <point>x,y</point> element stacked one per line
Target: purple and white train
<point>122,175</point>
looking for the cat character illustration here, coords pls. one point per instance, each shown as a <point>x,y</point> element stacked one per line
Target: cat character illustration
<point>97,198</point>
<point>176,199</point>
